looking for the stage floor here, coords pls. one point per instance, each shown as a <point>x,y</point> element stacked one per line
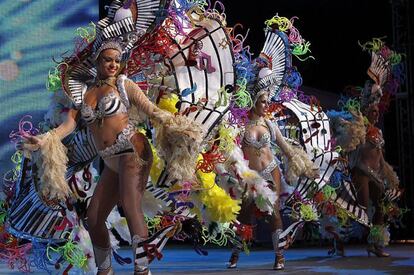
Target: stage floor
<point>183,260</point>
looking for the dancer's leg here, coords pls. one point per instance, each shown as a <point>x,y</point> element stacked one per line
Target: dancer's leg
<point>134,171</point>
<point>104,199</point>
<point>133,175</point>
<point>361,183</point>
<point>366,190</point>
<point>277,224</point>
<point>376,195</point>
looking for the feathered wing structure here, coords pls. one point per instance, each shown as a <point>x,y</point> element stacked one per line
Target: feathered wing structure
<point>75,80</point>
<point>380,69</point>
<point>202,74</point>
<point>307,142</point>
<point>202,77</point>
<point>272,63</point>
<point>312,132</point>
<point>29,215</point>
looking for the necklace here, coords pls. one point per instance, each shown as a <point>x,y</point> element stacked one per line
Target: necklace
<point>257,122</point>
<point>108,81</point>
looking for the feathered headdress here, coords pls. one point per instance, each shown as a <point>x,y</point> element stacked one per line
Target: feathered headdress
<point>273,68</point>
<point>271,65</point>
<point>380,71</point>
<point>122,29</point>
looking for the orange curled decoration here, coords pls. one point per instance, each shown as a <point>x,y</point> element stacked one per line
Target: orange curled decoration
<point>373,134</point>
<point>210,159</point>
<point>275,108</point>
<point>314,102</point>
<point>330,209</point>
<point>319,197</point>
<point>166,221</point>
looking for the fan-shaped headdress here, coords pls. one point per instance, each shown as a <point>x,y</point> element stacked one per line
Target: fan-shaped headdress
<point>379,71</point>
<point>271,65</point>
<point>126,23</point>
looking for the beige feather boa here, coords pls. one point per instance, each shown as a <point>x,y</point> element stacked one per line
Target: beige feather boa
<point>51,160</point>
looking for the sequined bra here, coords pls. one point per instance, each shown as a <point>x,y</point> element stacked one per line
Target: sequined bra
<point>264,139</point>
<point>107,106</point>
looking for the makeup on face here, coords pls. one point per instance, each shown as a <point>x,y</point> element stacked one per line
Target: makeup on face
<point>373,115</point>
<point>109,62</point>
<point>261,104</point>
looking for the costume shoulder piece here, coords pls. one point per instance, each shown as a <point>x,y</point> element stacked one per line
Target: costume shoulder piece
<point>271,128</point>
<point>120,84</point>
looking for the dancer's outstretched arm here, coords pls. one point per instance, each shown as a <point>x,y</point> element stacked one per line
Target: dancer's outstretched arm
<point>138,98</point>
<point>33,143</point>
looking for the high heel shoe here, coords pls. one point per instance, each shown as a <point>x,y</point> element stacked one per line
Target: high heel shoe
<point>377,251</point>
<point>140,264</point>
<point>103,260</point>
<point>279,261</point>
<point>144,271</point>
<point>234,258</point>
<point>338,249</point>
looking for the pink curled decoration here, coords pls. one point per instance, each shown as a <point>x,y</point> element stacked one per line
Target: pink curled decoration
<point>25,129</point>
<point>385,52</point>
<point>294,36</point>
<point>185,191</point>
<point>178,218</point>
<point>287,94</point>
<point>17,256</point>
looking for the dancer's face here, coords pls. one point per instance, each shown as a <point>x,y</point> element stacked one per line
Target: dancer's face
<point>373,114</point>
<point>261,105</point>
<point>108,64</point>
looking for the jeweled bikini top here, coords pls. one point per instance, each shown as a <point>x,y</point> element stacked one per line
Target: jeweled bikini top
<point>264,140</point>
<point>109,105</point>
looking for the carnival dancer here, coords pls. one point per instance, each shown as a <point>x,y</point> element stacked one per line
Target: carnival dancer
<point>99,98</point>
<point>260,133</point>
<point>371,174</point>
<point>103,105</point>
<point>372,177</point>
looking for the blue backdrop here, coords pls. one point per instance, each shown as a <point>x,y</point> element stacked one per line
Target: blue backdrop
<point>31,33</point>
